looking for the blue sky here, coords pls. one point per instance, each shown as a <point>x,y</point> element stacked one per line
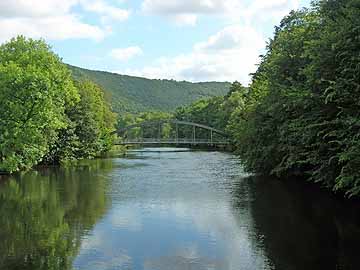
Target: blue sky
<point>195,40</point>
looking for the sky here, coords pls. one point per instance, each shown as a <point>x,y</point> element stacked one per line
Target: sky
<point>193,40</point>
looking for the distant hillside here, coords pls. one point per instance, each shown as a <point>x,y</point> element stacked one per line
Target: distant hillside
<point>134,94</point>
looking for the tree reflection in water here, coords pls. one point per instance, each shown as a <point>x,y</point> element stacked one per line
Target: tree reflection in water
<point>302,227</point>
<point>46,213</point>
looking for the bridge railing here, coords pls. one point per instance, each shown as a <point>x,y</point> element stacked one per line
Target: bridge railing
<point>172,141</point>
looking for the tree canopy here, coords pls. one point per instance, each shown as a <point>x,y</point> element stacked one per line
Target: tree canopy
<point>43,112</point>
<point>35,88</point>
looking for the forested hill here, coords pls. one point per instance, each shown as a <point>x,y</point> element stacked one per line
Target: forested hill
<point>134,94</point>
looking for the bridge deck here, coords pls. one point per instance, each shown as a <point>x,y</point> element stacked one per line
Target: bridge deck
<point>173,142</point>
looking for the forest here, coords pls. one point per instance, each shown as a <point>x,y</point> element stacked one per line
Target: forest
<point>129,94</point>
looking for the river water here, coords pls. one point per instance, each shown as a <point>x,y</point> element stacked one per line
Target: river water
<point>170,209</point>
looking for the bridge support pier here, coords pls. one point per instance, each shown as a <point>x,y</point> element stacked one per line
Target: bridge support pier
<point>177,133</point>
<point>159,134</point>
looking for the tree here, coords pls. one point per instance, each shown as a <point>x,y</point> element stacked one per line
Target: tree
<point>90,126</point>
<point>302,113</point>
<point>153,130</point>
<point>35,89</point>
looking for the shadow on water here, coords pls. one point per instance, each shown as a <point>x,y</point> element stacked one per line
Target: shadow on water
<point>301,227</point>
<point>45,213</point>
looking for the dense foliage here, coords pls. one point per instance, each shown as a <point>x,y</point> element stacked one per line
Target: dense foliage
<point>307,119</point>
<point>164,130</point>
<point>137,95</point>
<point>214,112</point>
<point>301,113</point>
<point>43,113</point>
<point>89,129</point>
<point>35,88</point>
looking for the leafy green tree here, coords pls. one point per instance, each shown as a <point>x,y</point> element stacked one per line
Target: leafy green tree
<point>90,126</point>
<point>214,112</point>
<point>35,89</point>
<point>334,76</point>
<point>153,130</point>
<point>276,96</point>
<point>302,113</point>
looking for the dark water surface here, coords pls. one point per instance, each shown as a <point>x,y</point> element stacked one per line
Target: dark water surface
<point>160,209</point>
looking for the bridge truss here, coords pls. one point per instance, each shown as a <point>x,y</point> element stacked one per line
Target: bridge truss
<point>213,139</point>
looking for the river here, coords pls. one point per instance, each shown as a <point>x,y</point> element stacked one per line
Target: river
<point>170,209</point>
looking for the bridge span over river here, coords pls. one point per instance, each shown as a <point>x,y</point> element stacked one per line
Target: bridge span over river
<point>214,137</point>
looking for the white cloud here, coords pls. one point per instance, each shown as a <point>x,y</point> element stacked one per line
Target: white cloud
<point>105,10</point>
<point>229,55</point>
<point>26,8</point>
<point>54,28</point>
<point>180,11</point>
<point>55,19</point>
<point>272,10</point>
<point>185,19</point>
<point>231,37</point>
<point>183,12</point>
<point>183,6</point>
<point>124,54</point>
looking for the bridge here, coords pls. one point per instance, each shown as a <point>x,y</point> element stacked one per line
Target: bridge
<point>215,137</point>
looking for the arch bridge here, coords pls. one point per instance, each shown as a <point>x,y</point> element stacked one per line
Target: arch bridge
<point>215,137</point>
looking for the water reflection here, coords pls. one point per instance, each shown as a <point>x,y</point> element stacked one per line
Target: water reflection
<point>44,215</point>
<point>161,209</point>
<point>301,226</point>
<point>173,210</point>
